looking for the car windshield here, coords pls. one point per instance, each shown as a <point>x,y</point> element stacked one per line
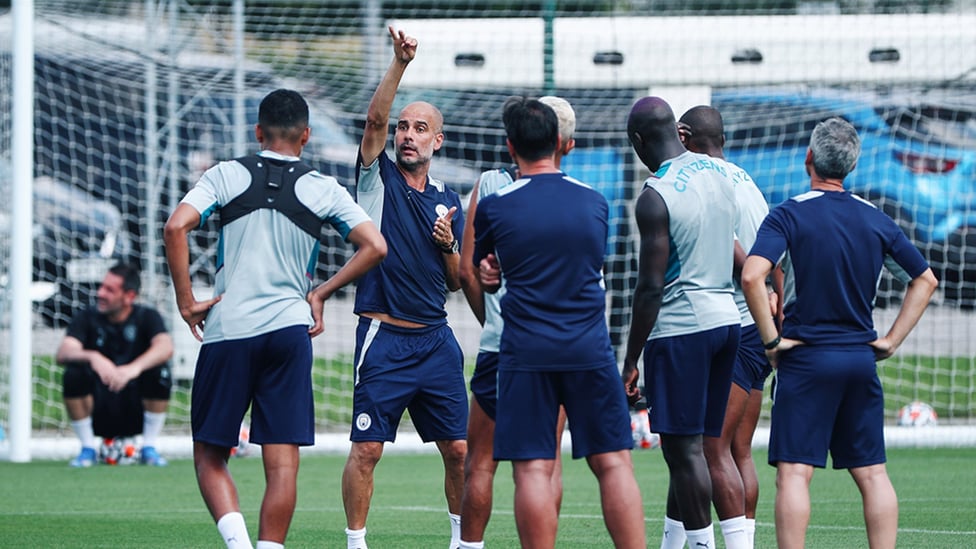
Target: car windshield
<point>954,126</point>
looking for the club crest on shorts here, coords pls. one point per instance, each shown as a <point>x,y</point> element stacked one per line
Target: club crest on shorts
<point>440,210</point>
<point>363,421</point>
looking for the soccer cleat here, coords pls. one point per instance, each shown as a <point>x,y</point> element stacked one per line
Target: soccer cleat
<point>150,456</point>
<point>86,458</point>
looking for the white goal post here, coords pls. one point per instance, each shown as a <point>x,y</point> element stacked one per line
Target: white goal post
<point>133,99</point>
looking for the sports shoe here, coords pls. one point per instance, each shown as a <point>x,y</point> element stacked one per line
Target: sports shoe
<point>86,458</point>
<point>150,456</point>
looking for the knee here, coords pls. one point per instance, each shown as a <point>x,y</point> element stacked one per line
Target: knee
<point>365,455</point>
<point>454,453</point>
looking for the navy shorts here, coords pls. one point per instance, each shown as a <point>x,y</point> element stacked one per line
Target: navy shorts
<point>528,408</point>
<point>828,398</point>
<point>484,382</point>
<point>420,370</point>
<point>687,380</point>
<point>751,365</point>
<point>80,381</point>
<point>271,373</point>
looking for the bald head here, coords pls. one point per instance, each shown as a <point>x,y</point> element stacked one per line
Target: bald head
<point>653,132</point>
<point>422,110</point>
<point>705,131</point>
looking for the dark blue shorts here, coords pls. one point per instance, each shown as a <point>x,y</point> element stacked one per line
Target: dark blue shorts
<point>484,382</point>
<point>419,370</point>
<point>528,408</point>
<point>687,380</point>
<point>271,373</point>
<point>828,398</point>
<point>751,365</point>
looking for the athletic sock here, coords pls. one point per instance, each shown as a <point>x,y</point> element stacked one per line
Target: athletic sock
<point>152,425</point>
<point>751,531</point>
<point>232,528</point>
<point>674,534</point>
<point>455,530</point>
<point>472,544</point>
<point>263,544</point>
<point>703,537</point>
<point>356,539</point>
<point>735,531</point>
<point>85,432</point>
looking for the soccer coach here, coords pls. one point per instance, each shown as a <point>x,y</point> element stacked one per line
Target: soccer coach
<point>828,396</point>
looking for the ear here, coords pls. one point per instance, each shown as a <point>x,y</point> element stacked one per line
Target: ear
<point>511,150</point>
<point>305,135</point>
<point>568,146</point>
<point>438,141</point>
<point>258,133</point>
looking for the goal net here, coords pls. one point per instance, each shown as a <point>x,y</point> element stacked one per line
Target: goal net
<point>134,99</point>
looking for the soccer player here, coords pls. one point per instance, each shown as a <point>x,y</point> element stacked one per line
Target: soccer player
<point>407,357</point>
<point>546,233</point>
<point>479,464</point>
<point>826,353</point>
<point>735,487</point>
<point>117,378</point>
<point>684,318</point>
<point>257,330</point>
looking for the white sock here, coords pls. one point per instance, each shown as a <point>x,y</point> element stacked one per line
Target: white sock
<point>86,433</point>
<point>703,537</point>
<point>356,539</point>
<point>674,534</point>
<point>455,529</point>
<point>735,531</point>
<point>152,425</point>
<point>232,528</point>
<point>751,531</point>
<point>472,545</point>
<point>262,544</point>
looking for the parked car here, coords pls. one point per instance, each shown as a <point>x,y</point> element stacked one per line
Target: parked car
<point>917,163</point>
<point>76,239</point>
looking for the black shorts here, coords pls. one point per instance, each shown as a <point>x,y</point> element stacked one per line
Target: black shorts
<point>154,384</point>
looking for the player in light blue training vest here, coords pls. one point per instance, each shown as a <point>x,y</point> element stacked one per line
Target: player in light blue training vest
<point>257,349</point>
<point>684,320</point>
<point>407,357</point>
<point>825,355</point>
<point>735,487</point>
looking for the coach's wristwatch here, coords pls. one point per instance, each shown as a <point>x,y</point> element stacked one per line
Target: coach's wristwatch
<point>452,249</point>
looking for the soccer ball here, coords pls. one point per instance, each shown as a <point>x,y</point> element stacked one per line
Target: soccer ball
<point>917,414</point>
<point>640,427</point>
<point>117,451</point>
<point>243,442</point>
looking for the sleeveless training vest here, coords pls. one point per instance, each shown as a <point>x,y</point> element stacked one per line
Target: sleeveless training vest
<point>273,186</point>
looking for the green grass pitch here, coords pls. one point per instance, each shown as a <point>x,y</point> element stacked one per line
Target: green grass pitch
<point>46,504</point>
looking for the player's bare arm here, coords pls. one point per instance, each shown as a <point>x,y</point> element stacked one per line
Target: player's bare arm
<point>917,297</point>
<point>754,274</point>
<point>184,219</point>
<point>370,251</point>
<point>73,350</point>
<point>443,235</point>
<point>489,274</point>
<point>378,113</point>
<point>160,350</point>
<point>653,223</point>
<point>469,277</point>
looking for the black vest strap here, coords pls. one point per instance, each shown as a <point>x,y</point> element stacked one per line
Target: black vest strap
<point>273,186</point>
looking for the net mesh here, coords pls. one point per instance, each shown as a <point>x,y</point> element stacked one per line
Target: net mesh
<point>134,99</point>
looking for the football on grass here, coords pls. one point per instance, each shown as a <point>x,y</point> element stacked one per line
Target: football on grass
<point>917,414</point>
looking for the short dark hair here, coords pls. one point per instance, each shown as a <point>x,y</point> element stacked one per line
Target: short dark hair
<point>130,276</point>
<point>284,113</point>
<point>532,127</point>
